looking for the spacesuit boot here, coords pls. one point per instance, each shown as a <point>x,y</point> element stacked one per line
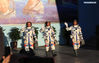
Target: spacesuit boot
<point>26,49</point>
<point>75,52</point>
<point>54,53</point>
<point>47,53</point>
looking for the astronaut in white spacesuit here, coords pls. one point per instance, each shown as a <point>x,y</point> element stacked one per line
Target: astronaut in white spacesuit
<point>50,38</point>
<point>29,36</point>
<point>76,35</point>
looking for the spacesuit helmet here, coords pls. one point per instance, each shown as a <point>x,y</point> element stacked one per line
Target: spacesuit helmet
<point>47,23</point>
<point>28,24</point>
<point>75,22</point>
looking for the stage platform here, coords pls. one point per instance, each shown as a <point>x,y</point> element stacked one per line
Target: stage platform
<point>65,55</point>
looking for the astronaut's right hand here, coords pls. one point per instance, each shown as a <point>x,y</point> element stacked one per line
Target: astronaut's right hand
<point>66,24</point>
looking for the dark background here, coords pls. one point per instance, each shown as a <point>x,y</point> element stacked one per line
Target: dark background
<point>87,16</point>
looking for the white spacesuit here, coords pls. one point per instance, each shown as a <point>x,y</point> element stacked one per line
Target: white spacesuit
<point>49,37</point>
<point>29,36</point>
<point>76,35</point>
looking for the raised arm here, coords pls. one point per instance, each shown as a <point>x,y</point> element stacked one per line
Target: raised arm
<point>66,24</point>
<point>67,28</point>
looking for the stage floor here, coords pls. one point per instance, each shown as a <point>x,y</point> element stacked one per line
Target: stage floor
<point>65,55</point>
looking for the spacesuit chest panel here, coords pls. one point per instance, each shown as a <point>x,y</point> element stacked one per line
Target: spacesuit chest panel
<point>28,32</point>
<point>75,32</point>
<point>48,32</point>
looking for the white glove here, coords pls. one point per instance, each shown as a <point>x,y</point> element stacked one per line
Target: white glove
<point>66,24</point>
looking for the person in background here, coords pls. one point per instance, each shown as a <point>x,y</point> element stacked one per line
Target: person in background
<point>34,7</point>
<point>29,36</point>
<point>49,37</point>
<point>76,35</point>
<point>7,8</point>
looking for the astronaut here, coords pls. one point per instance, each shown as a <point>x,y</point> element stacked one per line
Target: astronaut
<point>29,36</point>
<point>76,35</point>
<point>49,38</point>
